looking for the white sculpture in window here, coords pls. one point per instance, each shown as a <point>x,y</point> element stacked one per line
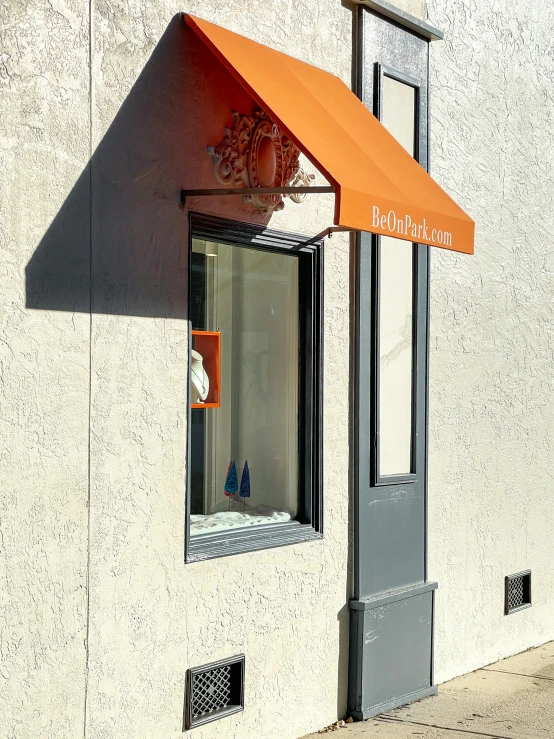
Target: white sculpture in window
<point>199,380</point>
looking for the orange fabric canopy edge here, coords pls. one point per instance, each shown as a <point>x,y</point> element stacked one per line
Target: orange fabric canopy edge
<point>379,187</point>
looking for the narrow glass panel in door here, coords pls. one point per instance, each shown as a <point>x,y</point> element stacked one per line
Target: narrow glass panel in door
<point>396,278</point>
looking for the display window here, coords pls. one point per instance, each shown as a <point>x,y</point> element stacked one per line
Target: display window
<point>254,367</point>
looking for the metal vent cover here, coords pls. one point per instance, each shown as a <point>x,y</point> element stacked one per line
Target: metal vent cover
<point>214,691</point>
<point>517,592</point>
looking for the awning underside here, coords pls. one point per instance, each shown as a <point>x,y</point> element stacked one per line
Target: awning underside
<point>379,187</point>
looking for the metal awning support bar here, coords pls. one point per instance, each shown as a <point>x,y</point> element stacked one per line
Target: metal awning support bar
<point>327,234</point>
<point>255,191</point>
<point>333,230</point>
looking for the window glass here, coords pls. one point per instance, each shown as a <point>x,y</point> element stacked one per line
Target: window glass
<point>244,451</point>
<point>396,307</point>
<point>399,111</point>
<point>395,357</point>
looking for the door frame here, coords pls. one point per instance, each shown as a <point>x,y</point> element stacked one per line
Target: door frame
<point>393,602</point>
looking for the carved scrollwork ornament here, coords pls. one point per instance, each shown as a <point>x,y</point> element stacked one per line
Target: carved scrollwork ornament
<point>256,153</point>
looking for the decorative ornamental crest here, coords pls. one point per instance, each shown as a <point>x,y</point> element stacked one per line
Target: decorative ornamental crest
<point>256,153</point>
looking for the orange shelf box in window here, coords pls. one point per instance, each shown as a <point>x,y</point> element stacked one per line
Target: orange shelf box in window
<point>208,345</point>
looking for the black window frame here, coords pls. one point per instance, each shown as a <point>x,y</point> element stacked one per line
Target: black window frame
<point>310,511</point>
<point>380,71</point>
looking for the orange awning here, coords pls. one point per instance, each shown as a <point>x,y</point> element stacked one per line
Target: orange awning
<point>379,187</point>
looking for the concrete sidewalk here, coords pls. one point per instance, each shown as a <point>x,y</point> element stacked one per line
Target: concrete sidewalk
<point>512,699</point>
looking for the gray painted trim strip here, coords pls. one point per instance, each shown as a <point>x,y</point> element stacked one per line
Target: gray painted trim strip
<point>393,703</point>
<point>376,601</point>
<point>404,19</point>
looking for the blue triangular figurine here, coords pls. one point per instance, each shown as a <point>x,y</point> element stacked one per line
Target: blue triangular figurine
<point>245,482</point>
<point>231,482</point>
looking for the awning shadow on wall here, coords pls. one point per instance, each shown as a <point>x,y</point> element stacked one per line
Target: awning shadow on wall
<point>118,245</point>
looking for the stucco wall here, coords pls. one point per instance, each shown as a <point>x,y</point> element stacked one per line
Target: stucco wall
<point>92,404</point>
<point>492,315</point>
<point>44,371</point>
<point>415,7</point>
<point>152,616</point>
<point>111,384</point>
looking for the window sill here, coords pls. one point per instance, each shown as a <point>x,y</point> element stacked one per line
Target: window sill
<point>238,541</point>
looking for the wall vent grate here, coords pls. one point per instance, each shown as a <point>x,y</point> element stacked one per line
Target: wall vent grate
<point>214,691</point>
<point>517,592</point>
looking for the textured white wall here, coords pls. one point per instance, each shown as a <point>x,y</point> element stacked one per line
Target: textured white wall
<point>492,407</point>
<point>151,617</point>
<point>415,7</point>
<point>491,458</point>
<point>44,372</point>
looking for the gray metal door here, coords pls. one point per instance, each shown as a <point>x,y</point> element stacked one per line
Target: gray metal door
<point>392,607</point>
